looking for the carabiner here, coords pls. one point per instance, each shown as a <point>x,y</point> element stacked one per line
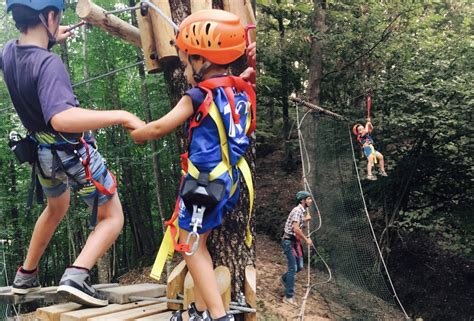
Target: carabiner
<point>195,245</point>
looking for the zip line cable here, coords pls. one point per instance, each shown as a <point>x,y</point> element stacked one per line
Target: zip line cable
<point>110,73</point>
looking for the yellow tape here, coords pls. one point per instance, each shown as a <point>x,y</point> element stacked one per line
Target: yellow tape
<point>244,168</point>
<point>165,252</point>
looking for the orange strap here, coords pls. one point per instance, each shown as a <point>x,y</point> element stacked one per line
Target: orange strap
<point>86,163</point>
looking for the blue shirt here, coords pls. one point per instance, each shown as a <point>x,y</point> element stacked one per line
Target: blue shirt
<point>39,86</point>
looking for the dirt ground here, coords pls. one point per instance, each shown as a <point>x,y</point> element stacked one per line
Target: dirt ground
<point>270,266</point>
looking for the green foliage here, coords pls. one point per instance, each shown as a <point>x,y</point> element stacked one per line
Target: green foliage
<point>417,60</point>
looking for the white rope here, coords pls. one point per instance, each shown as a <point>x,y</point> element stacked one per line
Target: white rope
<point>372,229</point>
<point>304,154</point>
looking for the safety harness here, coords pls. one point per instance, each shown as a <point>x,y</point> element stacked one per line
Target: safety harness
<point>202,190</point>
<point>73,148</point>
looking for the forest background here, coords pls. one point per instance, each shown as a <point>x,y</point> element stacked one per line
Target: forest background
<point>416,60</point>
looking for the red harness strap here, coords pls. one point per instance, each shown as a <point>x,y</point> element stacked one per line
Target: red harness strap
<point>86,163</point>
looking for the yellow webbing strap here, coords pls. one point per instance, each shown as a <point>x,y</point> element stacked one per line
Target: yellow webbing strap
<point>244,168</point>
<point>373,153</point>
<point>166,252</point>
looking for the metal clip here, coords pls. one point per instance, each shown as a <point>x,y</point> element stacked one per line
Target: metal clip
<point>14,136</point>
<point>196,223</point>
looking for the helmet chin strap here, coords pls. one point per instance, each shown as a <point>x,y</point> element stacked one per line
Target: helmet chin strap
<point>51,37</point>
<point>199,74</point>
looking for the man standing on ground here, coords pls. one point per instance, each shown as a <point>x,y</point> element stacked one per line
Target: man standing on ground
<point>291,243</point>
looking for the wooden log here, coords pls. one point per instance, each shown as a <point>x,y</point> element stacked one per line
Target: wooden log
<point>121,294</point>
<point>317,108</point>
<point>243,9</point>
<point>188,290</point>
<point>148,43</point>
<point>197,5</point>
<point>53,313</point>
<point>92,13</point>
<point>163,32</point>
<point>224,283</point>
<point>11,298</point>
<point>250,291</point>
<point>175,284</point>
<point>223,278</point>
<point>133,314</point>
<point>159,317</point>
<point>85,314</point>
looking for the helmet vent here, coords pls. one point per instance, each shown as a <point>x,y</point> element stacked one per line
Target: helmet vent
<point>208,26</point>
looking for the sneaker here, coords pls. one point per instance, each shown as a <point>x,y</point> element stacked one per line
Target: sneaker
<point>193,313</point>
<point>290,301</point>
<point>25,282</point>
<point>371,177</point>
<point>382,173</point>
<point>75,285</point>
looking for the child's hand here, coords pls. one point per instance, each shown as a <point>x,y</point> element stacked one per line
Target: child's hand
<point>132,122</point>
<point>249,74</point>
<point>63,34</point>
<point>134,135</point>
<point>252,55</point>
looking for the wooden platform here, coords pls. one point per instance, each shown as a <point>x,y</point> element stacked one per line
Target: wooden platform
<point>120,307</point>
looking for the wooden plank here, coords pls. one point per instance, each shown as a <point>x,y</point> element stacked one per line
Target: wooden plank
<point>243,9</point>
<point>11,298</point>
<point>197,5</point>
<point>53,313</point>
<point>223,278</point>
<point>250,291</point>
<point>5,289</point>
<point>163,32</point>
<point>85,314</point>
<point>92,13</point>
<point>121,294</point>
<point>175,284</point>
<point>133,314</point>
<point>148,43</point>
<point>158,317</point>
<point>54,297</point>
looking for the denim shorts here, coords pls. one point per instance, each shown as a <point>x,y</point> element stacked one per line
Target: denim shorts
<point>76,176</point>
<point>368,151</point>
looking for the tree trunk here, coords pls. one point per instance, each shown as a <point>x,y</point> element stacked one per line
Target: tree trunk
<point>316,59</point>
<point>227,243</point>
<point>288,162</point>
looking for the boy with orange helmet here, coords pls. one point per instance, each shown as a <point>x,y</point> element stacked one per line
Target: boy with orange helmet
<point>219,112</point>
<point>366,142</point>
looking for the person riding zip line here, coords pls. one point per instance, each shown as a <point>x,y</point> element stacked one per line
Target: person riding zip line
<point>366,142</point>
<point>64,149</point>
<point>219,116</point>
<point>291,243</point>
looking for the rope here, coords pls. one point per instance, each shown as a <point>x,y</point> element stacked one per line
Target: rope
<point>373,233</point>
<point>107,74</point>
<point>305,155</point>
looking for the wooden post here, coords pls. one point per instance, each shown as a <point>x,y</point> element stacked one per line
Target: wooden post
<point>222,274</point>
<point>163,32</point>
<point>243,9</point>
<point>175,284</point>
<point>197,5</point>
<point>250,291</point>
<point>92,13</point>
<point>148,42</point>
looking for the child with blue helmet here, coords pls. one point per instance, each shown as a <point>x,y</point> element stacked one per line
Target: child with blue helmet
<point>65,151</point>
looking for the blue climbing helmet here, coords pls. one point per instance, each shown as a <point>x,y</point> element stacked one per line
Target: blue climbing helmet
<point>301,195</point>
<point>37,5</point>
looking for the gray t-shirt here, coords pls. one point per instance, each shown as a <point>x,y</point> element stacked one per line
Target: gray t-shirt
<point>39,86</point>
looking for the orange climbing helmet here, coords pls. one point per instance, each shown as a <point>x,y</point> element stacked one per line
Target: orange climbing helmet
<point>216,35</point>
<point>354,129</point>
